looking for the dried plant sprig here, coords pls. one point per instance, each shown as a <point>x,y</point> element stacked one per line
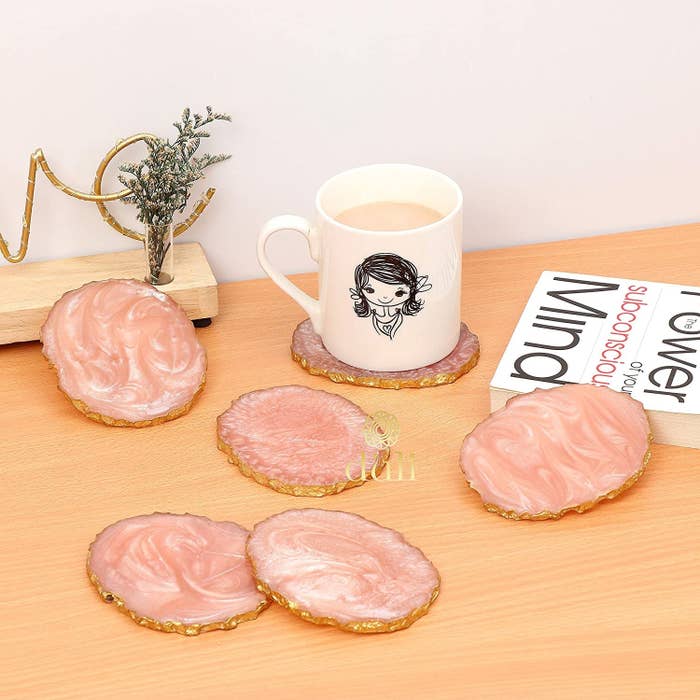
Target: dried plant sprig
<point>162,182</point>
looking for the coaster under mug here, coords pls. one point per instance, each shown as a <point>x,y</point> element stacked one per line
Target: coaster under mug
<point>308,350</point>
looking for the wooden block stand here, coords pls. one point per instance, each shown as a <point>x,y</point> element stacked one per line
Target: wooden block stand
<point>28,291</point>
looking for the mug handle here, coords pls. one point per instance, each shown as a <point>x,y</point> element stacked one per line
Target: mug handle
<point>288,222</point>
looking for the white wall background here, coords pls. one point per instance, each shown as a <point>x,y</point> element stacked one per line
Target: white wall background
<point>558,119</point>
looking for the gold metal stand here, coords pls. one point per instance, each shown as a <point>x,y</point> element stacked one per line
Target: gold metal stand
<point>38,159</point>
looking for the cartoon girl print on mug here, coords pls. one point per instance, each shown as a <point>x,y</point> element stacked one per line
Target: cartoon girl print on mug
<point>386,289</point>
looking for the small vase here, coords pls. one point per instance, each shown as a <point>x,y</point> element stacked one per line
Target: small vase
<point>159,253</point>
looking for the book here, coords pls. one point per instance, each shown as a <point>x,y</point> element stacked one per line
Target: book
<point>642,338</point>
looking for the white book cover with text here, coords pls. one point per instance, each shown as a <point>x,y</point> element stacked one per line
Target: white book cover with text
<point>634,336</point>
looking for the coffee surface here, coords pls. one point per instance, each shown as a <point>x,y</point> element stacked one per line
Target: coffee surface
<point>388,216</point>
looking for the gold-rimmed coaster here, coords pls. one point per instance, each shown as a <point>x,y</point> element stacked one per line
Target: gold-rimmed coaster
<point>331,567</point>
<point>552,451</point>
<point>304,442</point>
<point>308,350</point>
<point>179,573</point>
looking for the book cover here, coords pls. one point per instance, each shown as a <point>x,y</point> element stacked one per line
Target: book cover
<point>639,337</point>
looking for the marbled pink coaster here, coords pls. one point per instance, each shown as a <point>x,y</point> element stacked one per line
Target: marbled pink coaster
<point>125,353</point>
<point>299,441</point>
<point>308,350</point>
<point>176,573</point>
<point>551,451</point>
<point>335,568</point>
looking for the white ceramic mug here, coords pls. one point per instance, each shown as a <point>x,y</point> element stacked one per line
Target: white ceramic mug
<point>425,261</point>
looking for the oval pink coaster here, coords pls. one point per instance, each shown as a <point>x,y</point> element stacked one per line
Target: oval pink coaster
<point>335,568</point>
<point>552,451</point>
<point>299,441</point>
<point>125,353</point>
<point>176,573</point>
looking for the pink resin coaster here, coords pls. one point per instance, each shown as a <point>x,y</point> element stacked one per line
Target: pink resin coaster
<point>176,573</point>
<point>308,350</point>
<point>551,451</point>
<point>335,568</point>
<point>299,441</point>
<point>125,353</point>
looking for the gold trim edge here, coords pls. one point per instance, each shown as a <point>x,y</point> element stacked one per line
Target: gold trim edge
<point>310,490</point>
<point>579,508</point>
<point>121,422</point>
<point>170,626</point>
<point>358,627</point>
<point>438,379</point>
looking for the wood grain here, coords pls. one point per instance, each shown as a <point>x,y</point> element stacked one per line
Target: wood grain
<point>604,604</point>
<point>29,290</point>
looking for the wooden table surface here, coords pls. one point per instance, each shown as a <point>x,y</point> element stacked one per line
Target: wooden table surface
<point>603,604</point>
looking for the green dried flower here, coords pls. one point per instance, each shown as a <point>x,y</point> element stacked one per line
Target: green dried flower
<point>162,182</point>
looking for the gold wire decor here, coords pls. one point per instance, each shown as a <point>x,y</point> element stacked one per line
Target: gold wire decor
<point>38,159</point>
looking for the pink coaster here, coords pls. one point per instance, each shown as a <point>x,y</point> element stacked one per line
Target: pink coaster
<point>176,573</point>
<point>556,450</point>
<point>299,441</point>
<point>308,350</point>
<point>125,353</point>
<point>335,568</point>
